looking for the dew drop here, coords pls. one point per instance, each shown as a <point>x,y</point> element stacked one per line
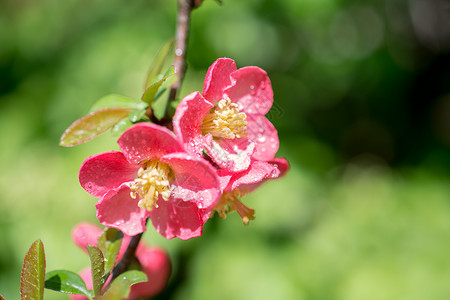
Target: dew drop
<point>261,139</point>
<point>263,149</point>
<point>272,140</point>
<point>178,52</point>
<point>263,85</point>
<point>273,146</point>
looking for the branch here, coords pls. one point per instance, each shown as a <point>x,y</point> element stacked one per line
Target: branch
<point>127,258</point>
<point>185,8</point>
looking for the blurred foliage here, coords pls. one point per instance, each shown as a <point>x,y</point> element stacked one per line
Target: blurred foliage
<point>362,103</point>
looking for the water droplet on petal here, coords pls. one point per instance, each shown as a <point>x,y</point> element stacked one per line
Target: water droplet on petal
<point>263,149</point>
<point>261,139</point>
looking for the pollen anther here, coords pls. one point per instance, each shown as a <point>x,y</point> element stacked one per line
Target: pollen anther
<point>225,121</point>
<point>152,181</point>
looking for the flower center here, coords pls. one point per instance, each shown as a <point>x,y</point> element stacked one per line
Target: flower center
<point>225,121</point>
<point>152,181</point>
<point>231,201</point>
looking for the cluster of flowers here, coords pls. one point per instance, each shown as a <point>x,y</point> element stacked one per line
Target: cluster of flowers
<point>222,147</point>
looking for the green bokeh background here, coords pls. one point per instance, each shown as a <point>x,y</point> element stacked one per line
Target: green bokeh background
<point>362,106</point>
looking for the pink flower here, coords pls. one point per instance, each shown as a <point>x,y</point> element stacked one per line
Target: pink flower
<point>228,120</point>
<point>152,177</point>
<point>155,262</point>
<point>237,185</point>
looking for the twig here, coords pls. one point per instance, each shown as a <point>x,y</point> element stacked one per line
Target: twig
<point>127,258</point>
<point>185,8</point>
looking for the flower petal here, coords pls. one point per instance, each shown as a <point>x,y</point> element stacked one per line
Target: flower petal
<point>85,234</point>
<point>195,180</point>
<point>155,264</point>
<point>264,134</point>
<point>233,155</point>
<point>103,172</point>
<point>251,90</point>
<point>217,79</point>
<point>145,141</point>
<point>225,177</point>
<point>188,120</point>
<point>280,167</point>
<point>258,172</point>
<point>181,219</point>
<point>118,210</point>
<point>282,164</point>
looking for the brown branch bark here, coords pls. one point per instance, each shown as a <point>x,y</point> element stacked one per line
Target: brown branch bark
<point>127,258</point>
<point>185,8</point>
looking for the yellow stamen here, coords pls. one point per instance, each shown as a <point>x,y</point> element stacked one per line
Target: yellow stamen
<point>152,181</point>
<point>231,201</point>
<point>225,121</point>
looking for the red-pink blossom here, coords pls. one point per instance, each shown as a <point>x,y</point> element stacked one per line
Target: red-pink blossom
<point>228,119</point>
<point>236,185</point>
<point>152,177</point>
<point>155,262</point>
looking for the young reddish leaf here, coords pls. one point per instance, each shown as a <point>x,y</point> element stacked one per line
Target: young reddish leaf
<point>109,243</point>
<point>150,93</point>
<point>2,298</point>
<point>158,63</point>
<point>66,282</point>
<point>117,101</point>
<point>97,268</point>
<point>91,125</point>
<point>33,272</point>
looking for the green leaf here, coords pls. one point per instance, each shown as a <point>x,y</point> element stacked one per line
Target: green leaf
<point>151,91</point>
<point>120,287</point>
<point>91,125</point>
<point>118,290</point>
<point>109,243</point>
<point>118,101</point>
<point>158,63</point>
<point>138,115</point>
<point>66,282</point>
<point>97,268</point>
<point>120,127</point>
<point>134,276</point>
<point>33,272</point>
